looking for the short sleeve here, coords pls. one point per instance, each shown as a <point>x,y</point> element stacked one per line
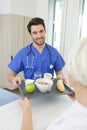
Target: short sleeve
<point>16,65</point>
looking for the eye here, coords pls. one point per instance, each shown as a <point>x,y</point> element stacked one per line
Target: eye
<point>41,31</point>
<point>34,32</point>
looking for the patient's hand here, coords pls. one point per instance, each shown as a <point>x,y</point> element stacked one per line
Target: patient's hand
<point>25,104</point>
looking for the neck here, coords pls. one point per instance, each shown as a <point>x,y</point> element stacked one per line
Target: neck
<point>39,47</point>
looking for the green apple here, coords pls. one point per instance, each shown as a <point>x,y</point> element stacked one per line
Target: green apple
<point>30,88</point>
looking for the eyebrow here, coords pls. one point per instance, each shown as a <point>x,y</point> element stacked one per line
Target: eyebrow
<point>38,31</point>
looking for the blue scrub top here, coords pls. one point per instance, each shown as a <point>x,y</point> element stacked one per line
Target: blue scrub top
<point>40,63</point>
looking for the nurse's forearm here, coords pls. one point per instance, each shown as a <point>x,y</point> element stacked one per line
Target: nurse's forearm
<point>11,76</point>
<point>59,74</point>
<point>15,80</point>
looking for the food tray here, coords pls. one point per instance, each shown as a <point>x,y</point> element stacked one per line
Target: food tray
<point>38,94</point>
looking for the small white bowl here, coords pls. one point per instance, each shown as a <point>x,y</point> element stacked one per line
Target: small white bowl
<point>44,85</point>
<point>28,81</point>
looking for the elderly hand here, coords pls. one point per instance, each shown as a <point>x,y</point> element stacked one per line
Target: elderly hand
<point>25,104</point>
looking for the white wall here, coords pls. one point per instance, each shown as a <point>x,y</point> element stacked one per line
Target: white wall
<point>42,9</point>
<point>24,7</point>
<point>20,7</point>
<point>31,8</point>
<point>5,6</point>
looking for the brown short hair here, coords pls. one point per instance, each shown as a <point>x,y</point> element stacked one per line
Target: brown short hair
<point>35,21</point>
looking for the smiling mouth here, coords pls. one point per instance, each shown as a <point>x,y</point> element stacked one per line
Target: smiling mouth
<point>40,39</point>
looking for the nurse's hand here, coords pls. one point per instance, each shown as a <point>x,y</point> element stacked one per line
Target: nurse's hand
<point>72,96</point>
<point>16,80</point>
<point>60,76</point>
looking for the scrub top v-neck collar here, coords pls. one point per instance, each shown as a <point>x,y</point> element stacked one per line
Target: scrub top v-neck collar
<point>36,50</point>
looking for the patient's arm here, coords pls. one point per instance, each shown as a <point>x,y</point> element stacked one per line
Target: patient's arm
<point>27,114</point>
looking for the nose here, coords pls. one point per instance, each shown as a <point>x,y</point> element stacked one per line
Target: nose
<point>39,34</point>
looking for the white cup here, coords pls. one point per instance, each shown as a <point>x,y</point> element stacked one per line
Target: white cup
<point>37,75</point>
<point>48,75</point>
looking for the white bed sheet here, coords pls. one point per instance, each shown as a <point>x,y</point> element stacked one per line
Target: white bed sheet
<point>44,110</point>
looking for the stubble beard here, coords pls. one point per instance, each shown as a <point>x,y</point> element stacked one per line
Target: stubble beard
<point>39,44</point>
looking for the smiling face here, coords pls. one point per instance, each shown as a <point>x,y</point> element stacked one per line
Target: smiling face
<point>38,34</point>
